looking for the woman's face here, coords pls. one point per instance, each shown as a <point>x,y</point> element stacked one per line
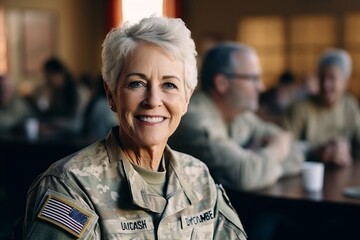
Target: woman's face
<point>333,84</point>
<point>150,98</point>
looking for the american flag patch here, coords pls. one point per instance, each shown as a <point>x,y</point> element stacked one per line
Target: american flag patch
<point>66,215</point>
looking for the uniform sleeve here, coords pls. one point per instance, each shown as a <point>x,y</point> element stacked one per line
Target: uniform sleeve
<point>230,164</point>
<point>292,165</point>
<point>228,225</point>
<point>259,128</point>
<point>55,211</point>
<point>294,162</point>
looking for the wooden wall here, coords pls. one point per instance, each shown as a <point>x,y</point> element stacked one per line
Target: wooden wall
<point>223,16</point>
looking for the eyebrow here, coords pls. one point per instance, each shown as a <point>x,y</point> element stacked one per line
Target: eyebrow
<point>144,76</point>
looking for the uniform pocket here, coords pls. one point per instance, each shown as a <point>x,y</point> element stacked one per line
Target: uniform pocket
<point>202,233</point>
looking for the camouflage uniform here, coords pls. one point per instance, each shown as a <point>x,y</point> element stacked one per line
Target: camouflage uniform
<point>229,150</point>
<point>107,199</point>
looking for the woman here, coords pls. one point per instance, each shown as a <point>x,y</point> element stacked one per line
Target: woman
<point>132,185</point>
<point>328,124</point>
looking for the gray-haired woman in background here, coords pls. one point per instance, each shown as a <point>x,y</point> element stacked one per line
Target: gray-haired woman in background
<point>131,185</point>
<point>329,123</point>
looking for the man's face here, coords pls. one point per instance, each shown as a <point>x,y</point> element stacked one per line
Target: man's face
<point>333,84</point>
<point>245,83</point>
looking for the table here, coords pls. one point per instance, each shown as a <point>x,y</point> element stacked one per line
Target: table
<point>324,215</point>
<point>335,181</point>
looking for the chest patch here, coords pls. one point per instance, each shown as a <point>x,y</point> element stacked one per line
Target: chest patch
<point>65,215</point>
<point>136,225</point>
<point>203,217</point>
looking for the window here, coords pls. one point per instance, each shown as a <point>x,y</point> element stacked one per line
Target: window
<point>266,35</point>
<point>134,10</point>
<point>120,11</point>
<point>352,45</point>
<point>293,45</point>
<point>310,35</point>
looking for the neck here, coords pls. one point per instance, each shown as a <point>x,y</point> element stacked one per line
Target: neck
<point>145,157</point>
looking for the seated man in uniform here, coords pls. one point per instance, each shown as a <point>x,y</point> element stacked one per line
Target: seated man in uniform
<point>220,128</point>
<point>328,124</point>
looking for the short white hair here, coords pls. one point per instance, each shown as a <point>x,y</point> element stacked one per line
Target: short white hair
<point>170,34</point>
<point>336,57</point>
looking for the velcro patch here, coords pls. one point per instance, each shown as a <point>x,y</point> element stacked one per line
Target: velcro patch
<point>66,215</point>
<point>197,219</point>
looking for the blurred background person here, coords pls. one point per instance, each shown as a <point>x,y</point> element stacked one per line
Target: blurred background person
<point>220,128</point>
<point>14,110</point>
<point>98,117</point>
<point>328,124</point>
<point>58,101</point>
<point>274,101</point>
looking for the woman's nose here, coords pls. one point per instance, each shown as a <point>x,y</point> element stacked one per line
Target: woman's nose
<point>153,97</point>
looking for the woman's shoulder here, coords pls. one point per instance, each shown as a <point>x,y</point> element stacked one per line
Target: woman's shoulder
<point>187,160</point>
<point>195,169</point>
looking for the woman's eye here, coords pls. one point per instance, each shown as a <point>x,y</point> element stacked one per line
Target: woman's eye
<point>170,85</point>
<point>136,84</point>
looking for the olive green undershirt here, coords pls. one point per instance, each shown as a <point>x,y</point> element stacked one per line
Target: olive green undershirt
<point>156,180</point>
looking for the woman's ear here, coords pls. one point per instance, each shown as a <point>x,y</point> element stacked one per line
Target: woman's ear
<point>109,95</point>
<point>107,88</point>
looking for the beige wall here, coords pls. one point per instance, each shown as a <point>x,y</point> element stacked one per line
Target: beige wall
<point>80,30</point>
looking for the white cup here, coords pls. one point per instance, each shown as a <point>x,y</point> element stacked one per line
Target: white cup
<point>313,176</point>
<point>32,128</point>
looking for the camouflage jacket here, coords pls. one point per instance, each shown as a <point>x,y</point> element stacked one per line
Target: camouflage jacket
<point>96,194</point>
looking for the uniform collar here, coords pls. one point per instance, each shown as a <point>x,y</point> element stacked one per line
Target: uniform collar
<point>179,185</point>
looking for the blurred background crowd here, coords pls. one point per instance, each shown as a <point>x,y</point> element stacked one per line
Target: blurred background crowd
<point>60,107</point>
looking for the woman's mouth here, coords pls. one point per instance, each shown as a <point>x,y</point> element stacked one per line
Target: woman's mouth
<point>148,119</point>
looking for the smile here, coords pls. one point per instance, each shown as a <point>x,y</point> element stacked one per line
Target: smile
<point>150,119</point>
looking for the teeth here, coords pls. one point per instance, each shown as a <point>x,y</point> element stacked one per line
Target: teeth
<point>151,119</point>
